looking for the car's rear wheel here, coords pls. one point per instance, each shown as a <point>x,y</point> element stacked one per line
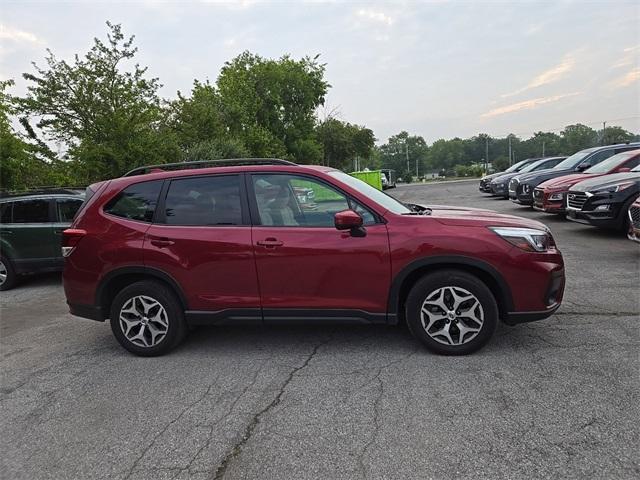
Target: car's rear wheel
<point>7,274</point>
<point>147,319</point>
<point>451,312</point>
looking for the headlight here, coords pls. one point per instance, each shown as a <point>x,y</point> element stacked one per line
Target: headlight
<point>529,239</point>
<point>526,188</point>
<point>614,188</point>
<point>555,196</point>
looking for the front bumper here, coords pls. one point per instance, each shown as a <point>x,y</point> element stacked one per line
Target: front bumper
<point>605,219</point>
<point>91,312</point>
<point>500,190</point>
<point>552,299</point>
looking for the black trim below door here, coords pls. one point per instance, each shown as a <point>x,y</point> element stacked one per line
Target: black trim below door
<point>296,316</point>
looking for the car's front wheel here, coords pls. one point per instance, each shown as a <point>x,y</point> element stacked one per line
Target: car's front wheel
<point>147,319</point>
<point>7,274</point>
<point>451,312</point>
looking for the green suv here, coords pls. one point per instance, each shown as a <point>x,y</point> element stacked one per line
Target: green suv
<point>31,225</point>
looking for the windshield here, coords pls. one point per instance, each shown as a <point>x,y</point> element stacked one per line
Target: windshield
<point>374,194</point>
<point>516,166</point>
<point>611,163</point>
<point>532,166</point>
<point>573,160</point>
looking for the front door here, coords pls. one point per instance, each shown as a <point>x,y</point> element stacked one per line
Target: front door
<point>308,268</point>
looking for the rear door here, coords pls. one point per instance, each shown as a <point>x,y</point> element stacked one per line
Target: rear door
<point>308,268</point>
<point>202,238</point>
<point>31,234</point>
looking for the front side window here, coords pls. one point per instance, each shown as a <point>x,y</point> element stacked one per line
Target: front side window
<point>598,157</point>
<point>66,208</point>
<point>204,201</point>
<point>136,202</point>
<point>298,201</point>
<point>31,211</point>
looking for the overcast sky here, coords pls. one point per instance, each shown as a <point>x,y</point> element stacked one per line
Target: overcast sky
<point>437,69</point>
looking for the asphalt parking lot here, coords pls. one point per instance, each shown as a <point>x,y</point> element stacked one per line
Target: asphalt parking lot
<point>555,399</point>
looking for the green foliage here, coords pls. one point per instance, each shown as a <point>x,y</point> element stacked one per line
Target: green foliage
<point>341,142</point>
<point>501,163</point>
<point>108,116</point>
<point>270,104</point>
<point>468,170</point>
<point>403,149</point>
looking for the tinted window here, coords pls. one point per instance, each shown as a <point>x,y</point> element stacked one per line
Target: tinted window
<point>5,212</point>
<point>598,157</point>
<point>203,201</point>
<point>31,211</point>
<point>67,208</point>
<point>137,202</point>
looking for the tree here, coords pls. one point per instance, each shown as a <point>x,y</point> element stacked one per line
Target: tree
<point>614,134</point>
<point>22,164</point>
<point>578,137</point>
<point>108,116</point>
<point>270,104</point>
<point>342,142</point>
<point>403,149</point>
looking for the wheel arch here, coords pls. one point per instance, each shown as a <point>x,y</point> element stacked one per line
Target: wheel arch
<point>410,274</point>
<point>116,280</point>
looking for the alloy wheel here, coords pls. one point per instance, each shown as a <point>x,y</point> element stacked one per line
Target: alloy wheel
<point>144,321</point>
<point>3,272</point>
<point>452,315</point>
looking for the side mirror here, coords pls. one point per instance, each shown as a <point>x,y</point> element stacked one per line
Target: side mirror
<point>347,220</point>
<point>623,169</point>
<point>582,167</point>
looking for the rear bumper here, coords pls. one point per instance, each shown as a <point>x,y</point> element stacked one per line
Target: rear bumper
<point>87,311</point>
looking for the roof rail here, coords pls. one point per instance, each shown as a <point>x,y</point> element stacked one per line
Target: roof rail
<point>208,163</point>
<point>42,191</point>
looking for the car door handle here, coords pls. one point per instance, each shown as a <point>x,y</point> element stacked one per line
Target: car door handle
<point>161,242</point>
<point>270,242</point>
<point>58,231</point>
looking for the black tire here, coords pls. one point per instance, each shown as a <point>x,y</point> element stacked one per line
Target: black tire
<point>457,279</point>
<point>11,277</point>
<point>176,330</point>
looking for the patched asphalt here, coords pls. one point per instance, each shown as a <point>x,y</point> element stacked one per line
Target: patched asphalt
<point>555,399</point>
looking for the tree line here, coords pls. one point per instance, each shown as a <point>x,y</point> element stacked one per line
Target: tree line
<point>100,115</point>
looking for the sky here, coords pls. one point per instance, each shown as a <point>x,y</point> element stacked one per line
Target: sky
<point>439,69</point>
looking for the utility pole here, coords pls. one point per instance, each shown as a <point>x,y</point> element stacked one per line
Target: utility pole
<point>406,146</point>
<point>604,133</point>
<point>486,154</point>
<point>510,157</point>
<point>543,142</point>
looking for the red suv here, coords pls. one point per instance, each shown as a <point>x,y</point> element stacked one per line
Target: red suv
<point>158,250</point>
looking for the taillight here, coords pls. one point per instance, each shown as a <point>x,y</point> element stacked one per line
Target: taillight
<point>70,239</point>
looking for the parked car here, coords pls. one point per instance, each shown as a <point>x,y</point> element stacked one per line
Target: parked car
<point>500,185</point>
<point>388,178</point>
<point>516,167</point>
<point>604,201</point>
<point>155,252</point>
<point>521,186</point>
<point>634,221</point>
<point>31,225</point>
<point>550,196</point>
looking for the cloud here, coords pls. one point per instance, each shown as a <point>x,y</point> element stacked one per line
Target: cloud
<point>17,35</point>
<point>629,58</point>
<point>549,76</point>
<point>526,105</point>
<point>626,80</point>
<point>375,16</point>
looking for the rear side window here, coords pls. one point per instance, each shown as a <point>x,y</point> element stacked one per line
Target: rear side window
<point>5,212</point>
<point>31,211</point>
<point>136,202</point>
<point>66,208</point>
<point>204,201</point>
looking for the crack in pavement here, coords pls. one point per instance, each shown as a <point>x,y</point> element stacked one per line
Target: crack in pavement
<point>234,452</point>
<point>376,408</point>
<point>166,427</point>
